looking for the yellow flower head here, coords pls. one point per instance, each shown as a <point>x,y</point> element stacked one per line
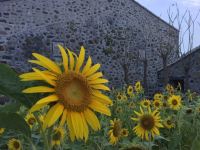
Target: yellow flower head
<point>170,89</point>
<point>168,123</point>
<point>115,131</point>
<point>131,105</point>
<point>157,103</point>
<point>124,132</point>
<point>2,130</point>
<point>158,96</point>
<point>30,119</point>
<point>145,103</point>
<point>118,110</point>
<point>138,87</point>
<point>148,123</point>
<point>74,92</point>
<point>119,97</point>
<point>130,90</point>
<point>14,144</point>
<point>174,102</point>
<point>58,136</point>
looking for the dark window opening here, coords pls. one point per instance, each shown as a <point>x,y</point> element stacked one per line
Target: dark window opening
<point>176,81</point>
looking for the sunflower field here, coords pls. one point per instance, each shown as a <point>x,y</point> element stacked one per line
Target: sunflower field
<point>68,105</point>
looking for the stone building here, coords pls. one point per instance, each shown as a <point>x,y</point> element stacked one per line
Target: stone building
<point>185,71</point>
<point>120,34</point>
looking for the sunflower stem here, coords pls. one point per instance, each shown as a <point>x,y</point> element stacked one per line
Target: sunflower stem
<point>46,143</point>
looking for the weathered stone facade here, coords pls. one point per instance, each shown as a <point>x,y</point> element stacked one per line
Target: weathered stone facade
<point>185,71</point>
<point>112,31</point>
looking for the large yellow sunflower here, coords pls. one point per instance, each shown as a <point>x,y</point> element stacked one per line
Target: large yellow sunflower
<point>74,92</point>
<point>174,102</point>
<point>148,124</point>
<point>116,131</point>
<point>14,144</point>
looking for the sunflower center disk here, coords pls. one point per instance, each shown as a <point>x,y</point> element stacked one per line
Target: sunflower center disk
<point>57,136</point>
<point>117,128</point>
<point>174,102</point>
<point>73,90</point>
<point>169,122</point>
<point>31,121</point>
<point>147,122</point>
<point>16,144</point>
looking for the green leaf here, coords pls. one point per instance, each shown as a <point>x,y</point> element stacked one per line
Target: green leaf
<point>10,108</point>
<point>196,143</point>
<point>11,86</point>
<point>15,122</point>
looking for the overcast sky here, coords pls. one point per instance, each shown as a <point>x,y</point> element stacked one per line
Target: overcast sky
<point>160,7</point>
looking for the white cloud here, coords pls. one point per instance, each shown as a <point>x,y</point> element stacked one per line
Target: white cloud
<point>195,3</point>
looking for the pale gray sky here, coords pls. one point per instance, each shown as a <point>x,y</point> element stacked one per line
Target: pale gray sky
<point>160,7</point>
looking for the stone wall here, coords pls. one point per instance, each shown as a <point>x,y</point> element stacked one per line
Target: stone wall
<point>186,68</point>
<point>113,31</point>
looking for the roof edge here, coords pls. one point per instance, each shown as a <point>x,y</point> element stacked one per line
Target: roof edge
<point>194,50</point>
<point>154,14</point>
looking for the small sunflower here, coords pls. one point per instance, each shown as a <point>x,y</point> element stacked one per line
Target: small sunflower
<point>138,87</point>
<point>170,89</point>
<point>130,90</point>
<point>145,103</point>
<point>157,103</point>
<point>148,123</point>
<point>2,130</point>
<point>58,136</point>
<point>158,96</point>
<point>119,97</point>
<point>164,104</point>
<point>118,110</point>
<point>115,131</point>
<point>131,105</point>
<point>168,123</point>
<point>14,144</point>
<point>174,102</point>
<point>30,119</point>
<point>75,91</point>
<point>124,132</point>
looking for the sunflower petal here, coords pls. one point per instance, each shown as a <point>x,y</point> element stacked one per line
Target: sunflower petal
<point>105,99</point>
<point>70,126</point>
<point>99,107</point>
<point>95,76</point>
<point>63,119</point>
<point>71,59</point>
<point>44,77</point>
<point>98,81</point>
<point>85,126</point>
<point>48,99</point>
<point>36,107</point>
<point>87,66</point>
<point>47,62</point>
<point>53,114</point>
<point>64,57</point>
<point>100,87</point>
<point>92,119</point>
<point>92,70</point>
<point>38,89</point>
<point>80,59</point>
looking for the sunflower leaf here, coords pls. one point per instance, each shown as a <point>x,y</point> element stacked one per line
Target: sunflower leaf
<point>12,107</point>
<point>11,86</point>
<point>14,122</point>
